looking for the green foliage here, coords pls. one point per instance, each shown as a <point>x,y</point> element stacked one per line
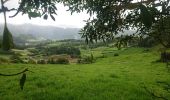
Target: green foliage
<point>146,17</point>
<point>32,61</point>
<point>86,60</point>
<point>161,32</point>
<point>107,79</point>
<point>116,54</point>
<point>3,60</point>
<point>58,60</point>
<point>62,49</point>
<point>147,42</point>
<point>62,61</point>
<point>37,8</point>
<point>41,61</point>
<point>0,43</point>
<point>33,14</point>
<point>123,41</point>
<point>112,17</point>
<point>16,59</point>
<point>98,44</point>
<point>7,42</point>
<point>165,57</point>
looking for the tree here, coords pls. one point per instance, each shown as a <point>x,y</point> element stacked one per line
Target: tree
<point>34,8</point>
<point>161,32</point>
<point>7,42</point>
<point>114,16</point>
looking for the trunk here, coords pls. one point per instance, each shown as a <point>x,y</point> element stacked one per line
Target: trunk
<point>2,7</point>
<point>4,12</point>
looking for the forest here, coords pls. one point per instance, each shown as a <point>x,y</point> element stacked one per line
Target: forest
<point>121,53</point>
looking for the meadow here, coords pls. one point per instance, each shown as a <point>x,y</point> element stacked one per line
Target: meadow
<point>134,74</point>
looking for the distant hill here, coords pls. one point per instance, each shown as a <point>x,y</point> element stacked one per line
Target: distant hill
<point>28,32</point>
<point>43,32</point>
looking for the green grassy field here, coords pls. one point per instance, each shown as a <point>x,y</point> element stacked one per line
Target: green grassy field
<point>120,77</point>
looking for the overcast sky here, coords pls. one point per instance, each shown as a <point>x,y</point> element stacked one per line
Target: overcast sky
<point>63,19</point>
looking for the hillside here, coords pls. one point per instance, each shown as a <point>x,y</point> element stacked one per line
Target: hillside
<point>111,78</point>
<point>43,32</point>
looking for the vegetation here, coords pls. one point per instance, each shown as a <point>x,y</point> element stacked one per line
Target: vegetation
<point>3,60</point>
<point>111,16</point>
<point>63,49</point>
<point>102,72</point>
<point>121,77</point>
<point>86,60</point>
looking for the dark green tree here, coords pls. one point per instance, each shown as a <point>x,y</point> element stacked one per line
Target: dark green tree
<point>114,16</point>
<point>161,32</point>
<point>7,42</point>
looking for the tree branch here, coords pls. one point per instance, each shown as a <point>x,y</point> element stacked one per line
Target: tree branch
<point>7,10</point>
<point>132,5</point>
<point>25,70</point>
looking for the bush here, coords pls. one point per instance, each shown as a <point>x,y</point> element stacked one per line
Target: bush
<point>3,60</point>
<point>51,61</point>
<point>69,50</point>
<point>147,42</point>
<point>32,61</point>
<point>86,60</point>
<point>165,56</point>
<point>116,54</point>
<point>41,61</point>
<point>16,59</point>
<point>60,60</point>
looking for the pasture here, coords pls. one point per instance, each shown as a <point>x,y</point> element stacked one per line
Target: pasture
<point>132,75</point>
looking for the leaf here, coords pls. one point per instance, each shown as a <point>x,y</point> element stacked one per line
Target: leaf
<point>22,81</point>
<point>45,16</point>
<point>52,17</point>
<point>146,16</point>
<point>34,14</point>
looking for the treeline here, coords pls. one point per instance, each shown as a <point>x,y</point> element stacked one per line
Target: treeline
<point>56,50</point>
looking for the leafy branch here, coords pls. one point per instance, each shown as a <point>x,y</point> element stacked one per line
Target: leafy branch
<point>25,70</point>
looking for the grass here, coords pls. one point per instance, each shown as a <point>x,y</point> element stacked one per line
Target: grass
<point>111,78</point>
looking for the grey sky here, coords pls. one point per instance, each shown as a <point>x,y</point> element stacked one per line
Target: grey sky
<point>63,19</point>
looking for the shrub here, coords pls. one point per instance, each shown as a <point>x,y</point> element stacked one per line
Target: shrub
<point>146,50</point>
<point>41,61</point>
<point>86,60</point>
<point>147,42</point>
<point>60,60</point>
<point>3,60</point>
<point>51,61</point>
<point>69,50</point>
<point>16,59</point>
<point>116,54</point>
<point>32,61</point>
<point>102,56</point>
<point>165,56</point>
